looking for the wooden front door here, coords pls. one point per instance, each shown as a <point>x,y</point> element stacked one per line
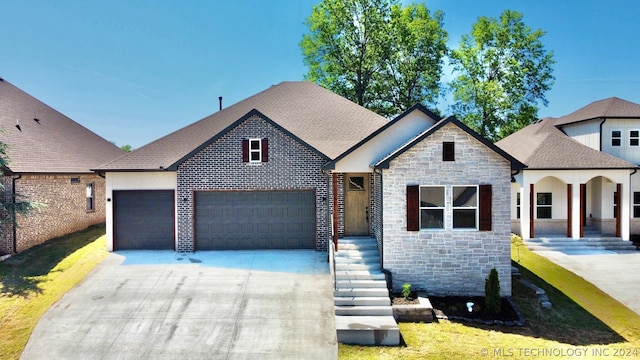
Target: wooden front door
<point>356,204</point>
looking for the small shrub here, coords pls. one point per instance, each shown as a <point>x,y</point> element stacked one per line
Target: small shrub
<point>492,299</point>
<point>406,290</point>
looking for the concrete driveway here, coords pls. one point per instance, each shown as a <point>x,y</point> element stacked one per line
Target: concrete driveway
<point>617,274</point>
<point>206,305</point>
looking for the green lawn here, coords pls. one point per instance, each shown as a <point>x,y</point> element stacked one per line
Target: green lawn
<point>35,279</point>
<point>583,323</point>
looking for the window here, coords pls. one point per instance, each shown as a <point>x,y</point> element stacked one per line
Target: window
<point>90,197</point>
<point>634,138</point>
<point>465,207</point>
<point>616,137</point>
<point>518,205</point>
<point>448,151</point>
<point>75,180</point>
<point>636,204</point>
<point>255,150</point>
<point>615,204</point>
<point>432,207</point>
<point>543,200</point>
<point>470,206</point>
<point>356,183</point>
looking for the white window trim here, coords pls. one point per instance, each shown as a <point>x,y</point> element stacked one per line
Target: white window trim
<point>443,208</point>
<point>619,138</point>
<point>258,150</point>
<point>90,193</point>
<point>476,208</point>
<point>634,137</point>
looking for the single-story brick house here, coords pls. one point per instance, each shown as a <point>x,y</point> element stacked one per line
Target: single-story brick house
<point>297,166</point>
<point>49,160</point>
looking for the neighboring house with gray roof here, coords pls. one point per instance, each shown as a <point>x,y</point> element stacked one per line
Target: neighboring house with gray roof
<point>581,172</point>
<point>299,167</point>
<point>49,162</point>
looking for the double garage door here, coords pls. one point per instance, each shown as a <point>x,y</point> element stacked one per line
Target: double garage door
<point>255,220</point>
<point>224,220</point>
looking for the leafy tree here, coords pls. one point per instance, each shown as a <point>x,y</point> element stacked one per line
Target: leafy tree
<point>503,72</point>
<point>375,52</point>
<point>10,205</point>
<point>126,148</point>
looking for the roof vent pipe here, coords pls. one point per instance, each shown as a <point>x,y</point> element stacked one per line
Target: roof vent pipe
<point>220,100</point>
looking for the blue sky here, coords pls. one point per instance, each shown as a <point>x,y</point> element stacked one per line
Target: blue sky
<point>133,71</point>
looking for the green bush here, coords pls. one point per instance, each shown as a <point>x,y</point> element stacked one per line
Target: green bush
<point>492,299</point>
<point>406,290</point>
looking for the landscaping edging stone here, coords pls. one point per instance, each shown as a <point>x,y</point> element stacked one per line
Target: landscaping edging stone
<point>520,322</point>
<point>542,296</point>
<point>414,313</point>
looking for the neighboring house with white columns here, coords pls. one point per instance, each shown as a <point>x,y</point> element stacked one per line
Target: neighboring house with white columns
<point>581,173</point>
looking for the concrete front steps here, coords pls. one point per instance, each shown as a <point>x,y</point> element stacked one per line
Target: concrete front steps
<point>577,246</point>
<point>364,315</point>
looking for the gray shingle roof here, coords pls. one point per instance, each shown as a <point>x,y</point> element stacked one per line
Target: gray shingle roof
<point>607,108</point>
<point>53,144</point>
<point>542,146</point>
<point>323,120</point>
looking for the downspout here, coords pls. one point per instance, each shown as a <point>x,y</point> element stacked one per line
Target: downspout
<point>601,124</point>
<point>13,215</point>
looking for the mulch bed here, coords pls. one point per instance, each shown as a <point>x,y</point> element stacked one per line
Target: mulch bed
<point>456,307</point>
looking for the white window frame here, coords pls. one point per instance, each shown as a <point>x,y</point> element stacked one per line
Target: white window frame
<point>442,208</point>
<point>632,138</point>
<point>90,197</point>
<point>475,208</point>
<point>255,151</point>
<point>619,138</point>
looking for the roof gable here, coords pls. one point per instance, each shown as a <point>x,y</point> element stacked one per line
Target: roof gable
<point>416,108</point>
<point>46,141</point>
<point>322,120</point>
<point>612,107</point>
<point>384,163</point>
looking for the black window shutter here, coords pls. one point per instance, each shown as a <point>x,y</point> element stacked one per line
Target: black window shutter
<point>413,207</point>
<point>485,207</point>
<point>245,150</point>
<point>265,150</point>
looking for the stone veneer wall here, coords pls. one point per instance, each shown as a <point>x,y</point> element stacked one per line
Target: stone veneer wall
<point>63,211</point>
<point>447,262</point>
<point>219,166</point>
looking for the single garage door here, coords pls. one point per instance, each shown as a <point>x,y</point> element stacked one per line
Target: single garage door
<point>255,220</point>
<point>143,220</point>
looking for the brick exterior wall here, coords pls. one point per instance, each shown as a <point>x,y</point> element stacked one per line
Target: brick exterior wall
<point>219,166</point>
<point>447,262</point>
<point>63,211</point>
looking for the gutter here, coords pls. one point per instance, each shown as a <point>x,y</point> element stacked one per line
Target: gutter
<point>601,124</point>
<point>13,214</point>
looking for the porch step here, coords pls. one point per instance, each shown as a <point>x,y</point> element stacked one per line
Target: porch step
<point>361,284</point>
<point>362,300</point>
<point>361,292</point>
<point>579,245</point>
<point>350,310</point>
<point>362,306</point>
<point>359,275</point>
<point>368,330</point>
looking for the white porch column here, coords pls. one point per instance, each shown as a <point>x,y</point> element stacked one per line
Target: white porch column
<point>524,211</point>
<point>625,211</point>
<point>576,214</point>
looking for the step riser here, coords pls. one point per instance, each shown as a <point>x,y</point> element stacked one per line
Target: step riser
<point>361,284</point>
<point>360,276</point>
<point>357,267</point>
<point>358,259</point>
<point>355,292</point>
<point>364,311</point>
<point>361,301</point>
<point>386,337</point>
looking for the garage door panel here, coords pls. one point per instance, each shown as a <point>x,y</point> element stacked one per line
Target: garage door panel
<point>255,220</point>
<point>143,220</point>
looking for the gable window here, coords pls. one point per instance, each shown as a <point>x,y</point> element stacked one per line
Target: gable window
<point>636,204</point>
<point>543,202</point>
<point>465,207</point>
<point>255,150</point>
<point>432,207</point>
<point>448,151</point>
<point>616,137</point>
<point>634,138</point>
<point>90,195</point>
